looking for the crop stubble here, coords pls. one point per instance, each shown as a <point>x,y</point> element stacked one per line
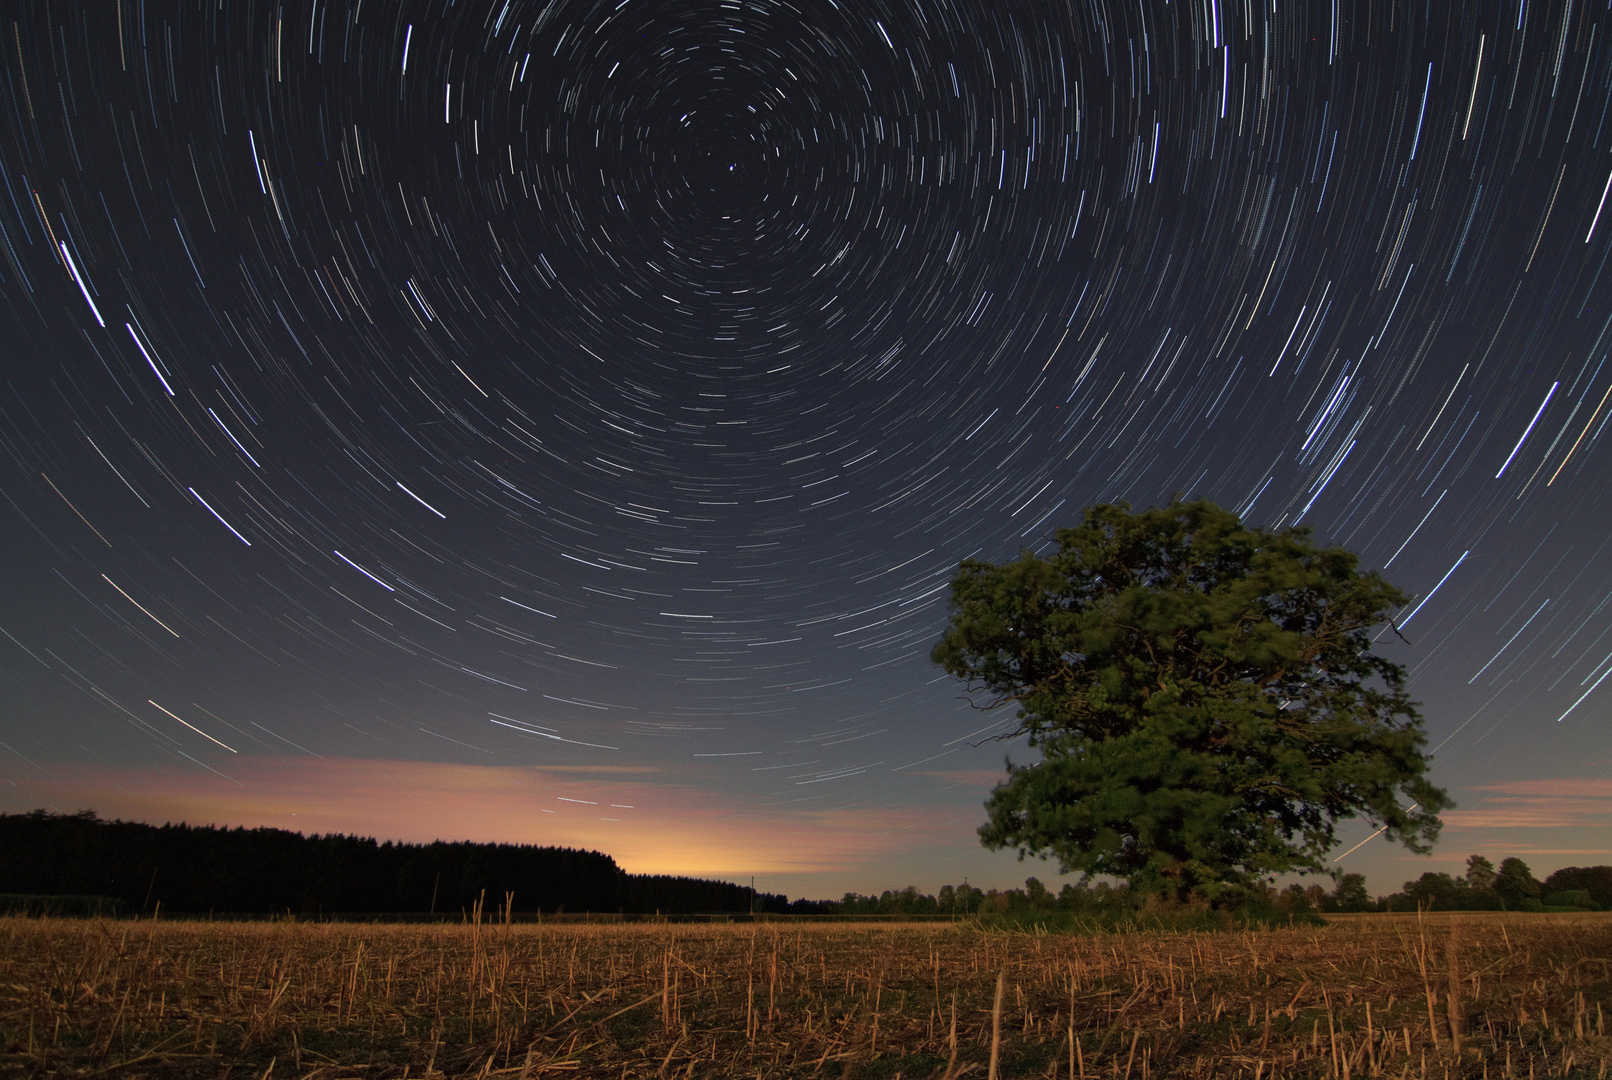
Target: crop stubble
<point>1456,995</point>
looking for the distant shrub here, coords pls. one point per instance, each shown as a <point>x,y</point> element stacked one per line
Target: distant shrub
<point>1596,880</point>
<point>104,907</point>
<point>1570,898</point>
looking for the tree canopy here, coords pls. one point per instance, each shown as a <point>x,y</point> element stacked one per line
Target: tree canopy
<point>1203,695</point>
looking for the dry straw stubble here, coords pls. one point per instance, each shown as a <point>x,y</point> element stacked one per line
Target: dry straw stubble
<point>1522,995</point>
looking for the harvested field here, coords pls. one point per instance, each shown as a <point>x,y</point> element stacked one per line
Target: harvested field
<point>1464,995</point>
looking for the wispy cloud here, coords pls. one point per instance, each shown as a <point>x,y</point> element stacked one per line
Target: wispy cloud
<point>1565,786</point>
<point>1551,803</point>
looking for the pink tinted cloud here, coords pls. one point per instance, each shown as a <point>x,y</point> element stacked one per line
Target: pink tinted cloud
<point>1562,802</point>
<point>1558,786</point>
<point>637,814</point>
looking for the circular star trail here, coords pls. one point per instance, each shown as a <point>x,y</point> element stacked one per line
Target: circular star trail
<point>615,386</point>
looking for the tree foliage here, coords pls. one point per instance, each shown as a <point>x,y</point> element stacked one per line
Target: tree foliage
<point>1516,884</point>
<point>1437,891</point>
<point>1204,697</point>
<point>1480,872</point>
<point>1594,881</point>
<point>1350,895</point>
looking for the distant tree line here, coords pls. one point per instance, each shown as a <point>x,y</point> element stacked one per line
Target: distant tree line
<point>254,871</point>
<point>74,863</point>
<point>965,899</point>
<point>1509,887</point>
<point>1484,887</point>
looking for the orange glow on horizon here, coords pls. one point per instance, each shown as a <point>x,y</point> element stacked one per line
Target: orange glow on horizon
<point>660,826</point>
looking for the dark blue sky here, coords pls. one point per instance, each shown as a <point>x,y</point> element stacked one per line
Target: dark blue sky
<point>560,421</point>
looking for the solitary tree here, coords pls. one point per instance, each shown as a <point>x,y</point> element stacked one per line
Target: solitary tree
<point>1203,695</point>
<point>1350,894</point>
<point>1480,873</point>
<point>1516,885</point>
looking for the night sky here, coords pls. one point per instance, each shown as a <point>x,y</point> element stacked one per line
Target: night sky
<point>559,422</point>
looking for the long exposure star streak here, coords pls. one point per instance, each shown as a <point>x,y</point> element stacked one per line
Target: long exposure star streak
<point>559,421</point>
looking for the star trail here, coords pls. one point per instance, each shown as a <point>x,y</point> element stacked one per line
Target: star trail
<point>596,398</point>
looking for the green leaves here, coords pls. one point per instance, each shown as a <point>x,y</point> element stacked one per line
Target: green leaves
<point>1203,695</point>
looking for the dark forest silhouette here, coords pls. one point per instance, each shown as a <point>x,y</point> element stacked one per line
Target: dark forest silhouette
<point>198,869</point>
<point>80,864</point>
